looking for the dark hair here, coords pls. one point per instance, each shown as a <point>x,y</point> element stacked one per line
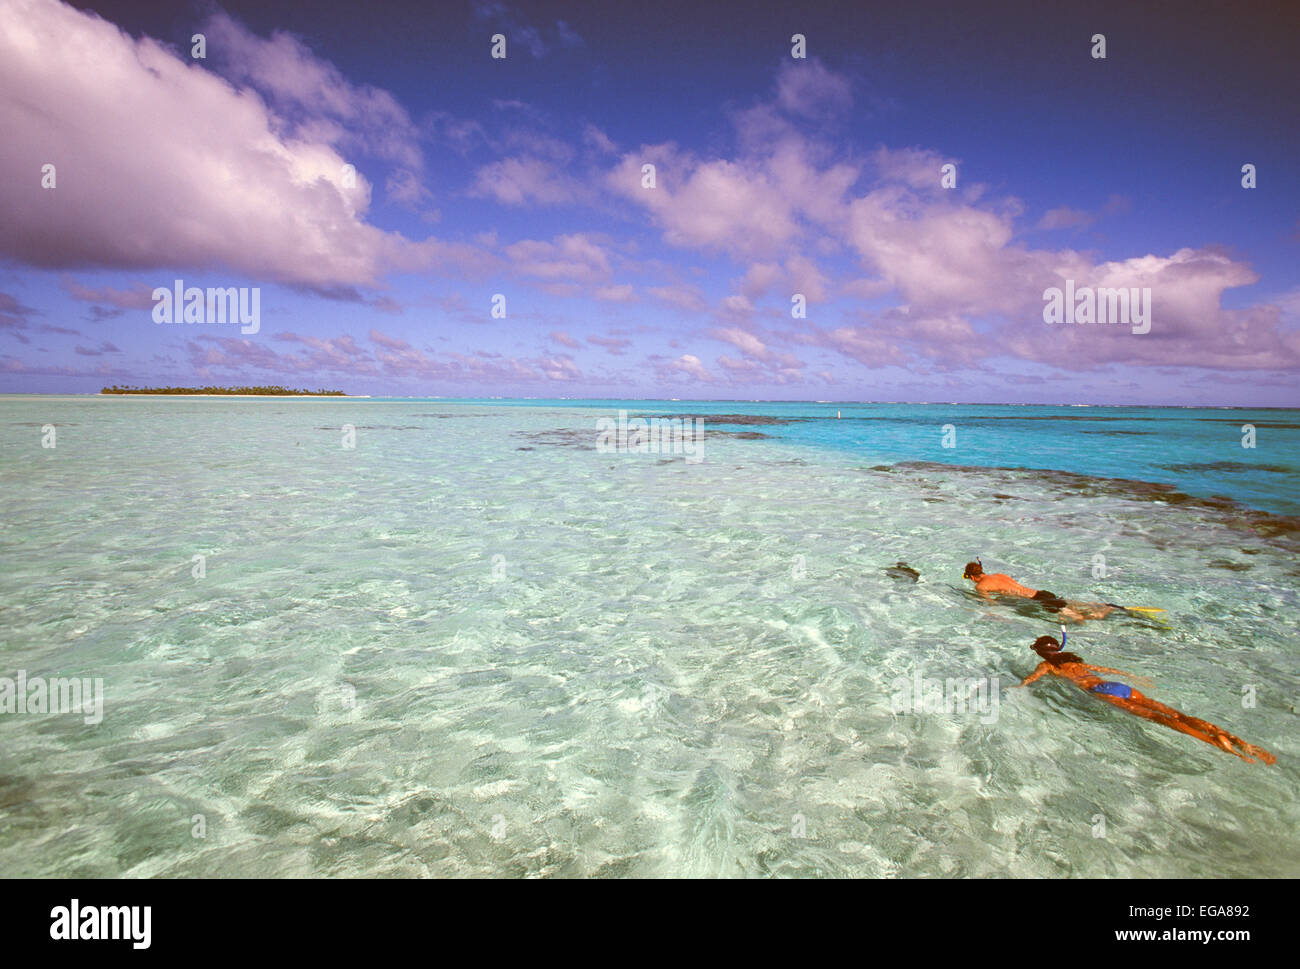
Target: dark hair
<point>1049,648</point>
<point>972,568</point>
<point>1060,659</point>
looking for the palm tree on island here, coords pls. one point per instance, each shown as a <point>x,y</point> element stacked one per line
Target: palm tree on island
<point>273,390</point>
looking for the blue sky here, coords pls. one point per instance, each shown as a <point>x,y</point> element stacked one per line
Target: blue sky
<point>774,176</point>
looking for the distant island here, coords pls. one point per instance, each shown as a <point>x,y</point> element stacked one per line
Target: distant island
<point>271,391</point>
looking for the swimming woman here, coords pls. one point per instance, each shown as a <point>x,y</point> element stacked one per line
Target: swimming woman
<point>1083,675</point>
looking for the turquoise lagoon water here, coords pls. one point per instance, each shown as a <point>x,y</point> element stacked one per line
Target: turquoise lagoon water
<point>477,645</point>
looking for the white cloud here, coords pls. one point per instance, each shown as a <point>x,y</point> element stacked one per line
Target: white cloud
<point>161,163</point>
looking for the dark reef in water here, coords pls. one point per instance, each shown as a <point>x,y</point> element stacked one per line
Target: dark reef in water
<point>1051,417</point>
<point>1240,420</point>
<point>1231,511</point>
<point>562,437</point>
<point>576,437</point>
<point>1227,467</point>
<point>746,419</point>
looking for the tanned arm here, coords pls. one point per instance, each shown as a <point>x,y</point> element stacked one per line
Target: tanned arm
<point>1042,670</point>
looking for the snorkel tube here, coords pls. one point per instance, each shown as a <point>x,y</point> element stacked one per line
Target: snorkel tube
<point>1063,634</point>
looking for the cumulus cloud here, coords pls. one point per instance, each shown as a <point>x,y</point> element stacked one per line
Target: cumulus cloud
<point>402,186</point>
<point>690,364</point>
<point>1064,217</point>
<point>965,286</point>
<point>565,265</point>
<point>749,208</point>
<point>311,95</point>
<point>138,297</point>
<point>595,138</point>
<point>538,40</point>
<point>620,293</point>
<point>780,191</point>
<point>799,275</point>
<point>162,163</point>
<point>760,363</point>
<point>517,181</point>
<point>862,344</point>
<point>613,345</point>
<point>1190,327</point>
<point>687,298</point>
<point>386,356</point>
<point>12,366</point>
<point>713,205</point>
<point>15,315</point>
<point>103,348</point>
<point>745,341</point>
<point>560,367</point>
<point>807,88</point>
<point>916,168</point>
<point>944,255</point>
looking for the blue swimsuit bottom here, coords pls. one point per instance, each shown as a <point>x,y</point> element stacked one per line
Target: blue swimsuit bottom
<point>1121,690</point>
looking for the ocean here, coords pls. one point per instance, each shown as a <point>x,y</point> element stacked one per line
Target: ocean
<point>477,643</point>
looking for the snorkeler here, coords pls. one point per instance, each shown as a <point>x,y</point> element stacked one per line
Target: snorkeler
<point>1083,675</point>
<point>987,585</point>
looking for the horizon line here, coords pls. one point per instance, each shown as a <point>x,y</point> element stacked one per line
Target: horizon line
<point>665,400</point>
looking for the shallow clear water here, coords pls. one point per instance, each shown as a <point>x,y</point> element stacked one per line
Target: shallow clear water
<point>475,645</point>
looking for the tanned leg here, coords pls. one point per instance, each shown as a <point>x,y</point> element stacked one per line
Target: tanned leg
<point>1149,709</point>
<point>1222,738</point>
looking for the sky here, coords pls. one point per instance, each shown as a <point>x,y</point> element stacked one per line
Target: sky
<point>420,218</point>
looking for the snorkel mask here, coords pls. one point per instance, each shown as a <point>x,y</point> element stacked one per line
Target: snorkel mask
<point>1044,645</point>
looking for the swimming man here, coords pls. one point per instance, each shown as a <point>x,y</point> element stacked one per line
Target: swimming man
<point>999,584</point>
